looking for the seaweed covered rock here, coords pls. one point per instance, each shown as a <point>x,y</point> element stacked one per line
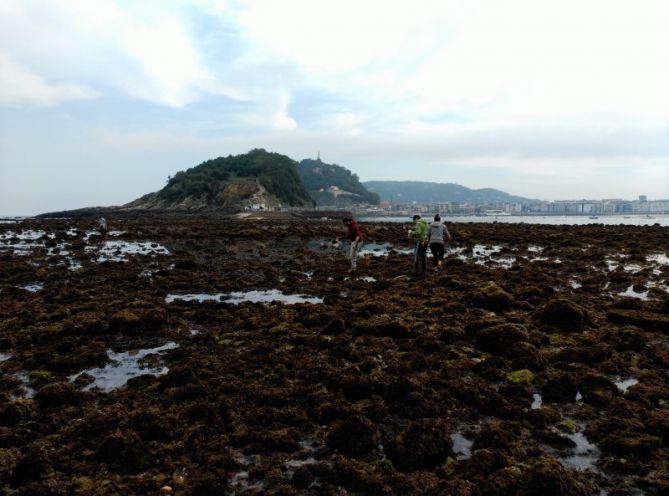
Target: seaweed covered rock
<point>648,321</point>
<point>499,338</point>
<point>137,320</point>
<point>15,412</point>
<point>355,436</point>
<point>35,462</point>
<point>597,389</point>
<point>549,478</point>
<point>123,452</point>
<point>57,394</point>
<point>628,443</point>
<point>524,355</point>
<point>491,297</point>
<point>522,376</point>
<point>564,314</point>
<point>9,457</point>
<point>422,445</point>
<point>560,388</point>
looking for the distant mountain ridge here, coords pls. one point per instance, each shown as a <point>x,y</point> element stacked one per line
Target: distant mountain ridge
<point>428,192</point>
<point>332,184</point>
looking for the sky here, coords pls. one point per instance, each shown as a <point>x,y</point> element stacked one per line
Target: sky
<point>102,100</point>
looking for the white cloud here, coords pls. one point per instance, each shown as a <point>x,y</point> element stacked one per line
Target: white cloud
<point>19,85</point>
<point>497,62</point>
<point>100,44</point>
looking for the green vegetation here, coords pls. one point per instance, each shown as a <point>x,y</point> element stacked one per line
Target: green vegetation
<point>522,376</point>
<point>317,175</point>
<point>277,173</point>
<point>568,426</point>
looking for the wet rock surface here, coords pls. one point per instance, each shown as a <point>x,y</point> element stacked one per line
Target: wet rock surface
<point>536,362</point>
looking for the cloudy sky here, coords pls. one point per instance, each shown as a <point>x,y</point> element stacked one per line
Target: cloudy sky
<point>101,100</point>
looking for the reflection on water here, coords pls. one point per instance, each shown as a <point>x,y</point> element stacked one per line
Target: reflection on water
<point>123,367</point>
<point>237,297</point>
<point>117,251</point>
<point>624,385</point>
<point>462,447</point>
<point>630,293</point>
<point>584,455</point>
<point>537,401</point>
<point>32,288</point>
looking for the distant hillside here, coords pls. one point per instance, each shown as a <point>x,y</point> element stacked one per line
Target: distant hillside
<point>331,184</point>
<point>425,192</point>
<point>258,179</point>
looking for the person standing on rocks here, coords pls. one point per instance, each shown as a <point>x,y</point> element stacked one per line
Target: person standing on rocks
<point>103,226</point>
<point>355,235</point>
<point>435,240</point>
<point>420,246</point>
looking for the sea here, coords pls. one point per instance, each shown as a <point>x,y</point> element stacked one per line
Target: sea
<point>575,220</point>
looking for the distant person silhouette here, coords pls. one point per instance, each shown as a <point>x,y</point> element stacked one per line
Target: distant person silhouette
<point>435,240</point>
<point>103,226</point>
<point>420,246</point>
<point>355,235</point>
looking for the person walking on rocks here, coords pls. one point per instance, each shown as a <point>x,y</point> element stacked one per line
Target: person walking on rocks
<point>435,240</point>
<point>420,245</point>
<point>355,235</point>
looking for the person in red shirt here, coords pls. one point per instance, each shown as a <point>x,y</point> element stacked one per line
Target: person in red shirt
<point>355,235</point>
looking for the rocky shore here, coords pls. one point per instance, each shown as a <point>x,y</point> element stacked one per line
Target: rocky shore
<point>216,356</point>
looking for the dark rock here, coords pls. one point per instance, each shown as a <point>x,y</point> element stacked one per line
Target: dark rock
<point>564,314</point>
<point>335,326</point>
<point>561,388</point>
<point>355,436</point>
<point>524,355</point>
<point>548,477</point>
<point>15,412</point>
<point>451,335</point>
<point>35,462</point>
<point>123,452</point>
<point>422,445</point>
<point>597,389</point>
<point>626,443</point>
<point>57,394</point>
<point>491,297</point>
<point>303,477</point>
<point>498,339</point>
<point>135,321</point>
<point>647,321</point>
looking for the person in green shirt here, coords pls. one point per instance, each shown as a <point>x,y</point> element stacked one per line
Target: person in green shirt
<point>420,247</point>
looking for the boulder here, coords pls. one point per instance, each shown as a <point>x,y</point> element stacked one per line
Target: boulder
<point>57,394</point>
<point>355,436</point>
<point>522,376</point>
<point>648,321</point>
<point>499,338</point>
<point>561,388</point>
<point>524,355</point>
<point>491,297</point>
<point>564,314</point>
<point>549,478</point>
<point>597,389</point>
<point>35,462</point>
<point>123,452</point>
<point>424,444</point>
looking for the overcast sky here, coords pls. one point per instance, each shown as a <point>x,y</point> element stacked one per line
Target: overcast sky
<point>101,100</point>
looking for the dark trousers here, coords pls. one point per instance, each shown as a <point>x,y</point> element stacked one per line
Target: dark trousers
<point>420,262</point>
<point>437,250</point>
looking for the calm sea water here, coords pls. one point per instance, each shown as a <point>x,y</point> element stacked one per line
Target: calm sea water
<point>578,220</point>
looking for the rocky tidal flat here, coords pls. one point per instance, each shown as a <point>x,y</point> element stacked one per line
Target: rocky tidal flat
<point>194,356</point>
